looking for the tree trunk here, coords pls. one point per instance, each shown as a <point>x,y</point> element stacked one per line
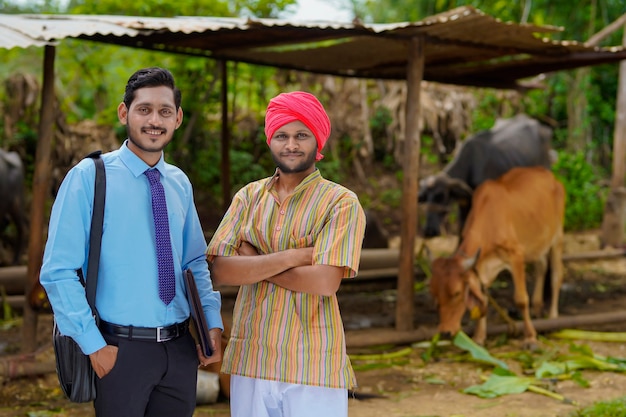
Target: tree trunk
<point>577,118</point>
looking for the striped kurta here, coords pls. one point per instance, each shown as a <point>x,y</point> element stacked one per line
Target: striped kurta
<point>283,335</point>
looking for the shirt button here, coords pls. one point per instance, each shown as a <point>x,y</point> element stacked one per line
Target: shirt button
<point>282,212</point>
<point>277,227</point>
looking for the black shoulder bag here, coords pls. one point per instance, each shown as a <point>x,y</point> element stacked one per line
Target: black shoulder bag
<point>76,376</point>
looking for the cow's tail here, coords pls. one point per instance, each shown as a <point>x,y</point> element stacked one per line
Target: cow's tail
<point>354,394</point>
<point>547,282</point>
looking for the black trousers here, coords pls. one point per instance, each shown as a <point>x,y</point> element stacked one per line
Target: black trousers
<point>149,379</point>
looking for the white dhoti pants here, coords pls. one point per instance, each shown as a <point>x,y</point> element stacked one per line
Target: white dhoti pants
<point>251,397</point>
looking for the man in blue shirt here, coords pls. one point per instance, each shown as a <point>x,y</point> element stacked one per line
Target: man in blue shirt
<point>143,353</point>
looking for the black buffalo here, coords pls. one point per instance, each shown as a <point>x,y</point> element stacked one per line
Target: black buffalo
<point>12,208</point>
<point>519,141</point>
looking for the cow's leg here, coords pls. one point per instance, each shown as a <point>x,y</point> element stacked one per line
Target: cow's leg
<point>14,181</point>
<point>539,269</point>
<point>521,298</point>
<point>556,266</point>
<point>16,215</point>
<point>480,332</point>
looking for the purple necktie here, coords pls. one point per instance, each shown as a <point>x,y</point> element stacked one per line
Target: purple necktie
<point>165,260</point>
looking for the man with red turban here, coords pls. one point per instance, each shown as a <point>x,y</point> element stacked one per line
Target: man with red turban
<point>287,241</point>
<point>289,107</point>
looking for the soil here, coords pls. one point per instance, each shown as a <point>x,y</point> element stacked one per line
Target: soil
<point>406,386</point>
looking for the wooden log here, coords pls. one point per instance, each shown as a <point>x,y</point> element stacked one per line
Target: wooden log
<point>15,301</point>
<point>563,322</point>
<point>382,336</point>
<point>17,367</point>
<point>370,274</point>
<point>594,255</point>
<point>379,258</point>
<point>13,279</point>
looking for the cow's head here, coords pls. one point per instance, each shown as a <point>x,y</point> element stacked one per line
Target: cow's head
<point>456,288</point>
<point>439,192</point>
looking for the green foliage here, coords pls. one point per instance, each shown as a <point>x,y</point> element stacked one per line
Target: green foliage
<point>585,197</point>
<point>157,8</point>
<point>262,8</point>
<point>332,169</point>
<point>427,149</point>
<point>392,197</point>
<point>7,310</point>
<point>379,123</point>
<point>247,169</point>
<point>614,408</point>
<point>485,114</point>
<point>205,172</point>
<point>550,366</point>
<point>20,6</point>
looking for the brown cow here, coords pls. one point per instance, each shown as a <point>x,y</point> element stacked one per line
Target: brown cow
<point>515,219</point>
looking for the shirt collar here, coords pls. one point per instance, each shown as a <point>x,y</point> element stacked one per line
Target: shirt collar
<point>135,164</point>
<point>272,180</point>
<point>309,179</point>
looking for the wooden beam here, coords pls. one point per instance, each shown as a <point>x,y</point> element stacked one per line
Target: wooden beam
<point>376,337</point>
<point>415,74</point>
<point>606,31</point>
<point>41,187</point>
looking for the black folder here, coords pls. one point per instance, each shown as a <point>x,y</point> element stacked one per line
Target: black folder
<point>197,314</point>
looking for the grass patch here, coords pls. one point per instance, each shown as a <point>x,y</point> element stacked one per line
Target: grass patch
<point>614,408</point>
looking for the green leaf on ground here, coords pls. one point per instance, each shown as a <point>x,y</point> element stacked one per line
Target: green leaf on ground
<point>479,353</point>
<point>497,385</point>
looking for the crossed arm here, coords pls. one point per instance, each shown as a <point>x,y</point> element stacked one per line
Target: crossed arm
<point>292,269</point>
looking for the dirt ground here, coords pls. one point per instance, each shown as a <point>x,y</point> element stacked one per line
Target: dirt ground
<point>406,386</point>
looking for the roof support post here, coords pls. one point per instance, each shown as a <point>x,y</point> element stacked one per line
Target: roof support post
<point>406,273</point>
<point>41,188</point>
<point>615,207</point>
<point>225,160</point>
<point>619,138</point>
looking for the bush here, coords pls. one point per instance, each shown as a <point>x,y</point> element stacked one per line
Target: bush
<point>585,198</point>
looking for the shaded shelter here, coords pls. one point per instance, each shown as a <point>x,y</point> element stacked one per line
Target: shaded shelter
<point>463,46</point>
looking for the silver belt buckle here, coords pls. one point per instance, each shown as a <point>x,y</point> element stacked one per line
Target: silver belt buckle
<point>158,335</point>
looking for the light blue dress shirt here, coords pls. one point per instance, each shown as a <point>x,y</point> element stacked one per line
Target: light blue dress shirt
<point>127,292</point>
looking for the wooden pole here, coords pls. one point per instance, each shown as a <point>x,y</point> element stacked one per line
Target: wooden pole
<point>619,138</point>
<point>615,208</point>
<point>415,73</point>
<point>225,161</point>
<point>41,187</point>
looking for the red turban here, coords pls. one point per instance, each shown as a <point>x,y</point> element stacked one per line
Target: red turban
<point>298,105</point>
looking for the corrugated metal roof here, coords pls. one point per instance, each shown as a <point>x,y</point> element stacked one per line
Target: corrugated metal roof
<point>49,28</point>
<point>462,46</point>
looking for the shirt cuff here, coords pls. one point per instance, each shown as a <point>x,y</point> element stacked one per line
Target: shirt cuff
<point>91,341</point>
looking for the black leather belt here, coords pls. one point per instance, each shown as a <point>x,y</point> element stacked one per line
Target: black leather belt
<point>153,334</point>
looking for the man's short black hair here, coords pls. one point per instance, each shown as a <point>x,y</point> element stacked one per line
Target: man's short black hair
<point>150,77</point>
